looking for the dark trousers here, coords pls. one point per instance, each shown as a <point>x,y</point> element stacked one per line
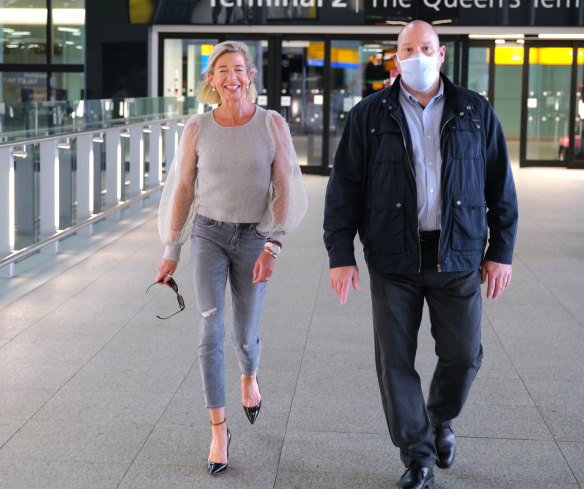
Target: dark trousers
<point>455,305</point>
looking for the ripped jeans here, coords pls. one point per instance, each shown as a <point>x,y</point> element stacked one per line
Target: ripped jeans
<point>221,250</point>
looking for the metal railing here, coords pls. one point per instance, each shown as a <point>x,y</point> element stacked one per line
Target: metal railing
<point>57,185</point>
<point>23,121</point>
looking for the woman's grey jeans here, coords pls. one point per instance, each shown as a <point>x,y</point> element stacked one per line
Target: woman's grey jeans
<point>221,250</point>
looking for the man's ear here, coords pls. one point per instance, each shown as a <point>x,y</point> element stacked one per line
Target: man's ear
<point>442,53</point>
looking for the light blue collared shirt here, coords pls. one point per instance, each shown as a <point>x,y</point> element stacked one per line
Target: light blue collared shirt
<point>424,126</point>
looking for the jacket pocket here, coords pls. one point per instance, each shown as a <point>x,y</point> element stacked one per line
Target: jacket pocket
<point>385,231</point>
<point>387,167</point>
<point>465,137</point>
<point>469,222</point>
<point>387,144</point>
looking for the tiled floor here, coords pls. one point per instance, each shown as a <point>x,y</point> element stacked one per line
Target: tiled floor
<point>95,392</point>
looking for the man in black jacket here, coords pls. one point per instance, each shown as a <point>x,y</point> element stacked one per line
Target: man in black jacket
<point>422,173</point>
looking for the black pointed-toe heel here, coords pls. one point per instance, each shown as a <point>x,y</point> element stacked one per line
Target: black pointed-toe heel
<point>215,468</point>
<point>252,412</point>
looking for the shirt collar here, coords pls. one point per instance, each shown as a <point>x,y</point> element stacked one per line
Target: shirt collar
<point>412,100</point>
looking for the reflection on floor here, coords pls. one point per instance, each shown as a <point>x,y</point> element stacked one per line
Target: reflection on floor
<point>95,392</point>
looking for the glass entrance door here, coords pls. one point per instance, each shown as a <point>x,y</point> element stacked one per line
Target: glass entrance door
<point>506,90</point>
<point>548,105</point>
<point>302,97</point>
<point>358,69</point>
<point>495,71</point>
<point>479,59</point>
<point>578,111</point>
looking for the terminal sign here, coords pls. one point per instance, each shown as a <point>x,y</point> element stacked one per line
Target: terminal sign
<point>403,4</point>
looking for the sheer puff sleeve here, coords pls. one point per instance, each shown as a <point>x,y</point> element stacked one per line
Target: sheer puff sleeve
<point>177,203</point>
<point>287,202</point>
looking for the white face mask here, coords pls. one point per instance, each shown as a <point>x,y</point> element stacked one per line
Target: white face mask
<point>419,72</point>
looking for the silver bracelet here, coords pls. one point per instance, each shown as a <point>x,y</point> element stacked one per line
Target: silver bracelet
<point>272,248</point>
<point>269,252</point>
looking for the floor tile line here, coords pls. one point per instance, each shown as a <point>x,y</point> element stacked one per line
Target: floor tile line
<point>536,405</point>
<point>323,267</point>
<point>155,425</point>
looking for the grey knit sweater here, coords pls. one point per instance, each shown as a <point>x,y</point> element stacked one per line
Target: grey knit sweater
<point>242,174</point>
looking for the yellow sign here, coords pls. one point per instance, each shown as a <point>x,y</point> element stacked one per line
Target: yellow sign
<point>142,11</point>
<point>537,56</point>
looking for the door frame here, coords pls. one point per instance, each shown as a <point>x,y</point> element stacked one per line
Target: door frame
<point>570,161</point>
<point>274,79</point>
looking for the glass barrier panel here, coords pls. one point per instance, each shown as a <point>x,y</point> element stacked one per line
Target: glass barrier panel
<point>99,185</point>
<point>26,195</point>
<point>31,120</point>
<point>125,167</point>
<point>67,149</point>
<point>146,145</point>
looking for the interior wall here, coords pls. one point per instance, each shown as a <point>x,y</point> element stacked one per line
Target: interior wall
<point>116,51</point>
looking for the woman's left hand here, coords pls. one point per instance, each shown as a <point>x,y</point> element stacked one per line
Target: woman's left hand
<point>263,268</point>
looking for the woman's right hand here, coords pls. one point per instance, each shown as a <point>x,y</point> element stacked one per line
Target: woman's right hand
<point>165,270</point>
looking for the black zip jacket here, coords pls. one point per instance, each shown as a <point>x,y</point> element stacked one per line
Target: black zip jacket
<point>372,187</point>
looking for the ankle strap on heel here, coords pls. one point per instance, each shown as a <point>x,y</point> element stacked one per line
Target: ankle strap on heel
<point>218,424</point>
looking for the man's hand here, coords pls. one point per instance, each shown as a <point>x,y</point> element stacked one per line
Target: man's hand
<point>341,279</point>
<point>499,276</point>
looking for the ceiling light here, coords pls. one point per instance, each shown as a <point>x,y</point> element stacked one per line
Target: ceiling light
<point>38,16</point>
<point>560,36</point>
<point>68,29</point>
<point>69,16</point>
<point>496,36</point>
<point>23,16</point>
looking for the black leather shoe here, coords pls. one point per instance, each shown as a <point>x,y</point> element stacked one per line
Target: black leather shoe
<point>252,412</point>
<point>215,468</point>
<point>445,442</point>
<point>416,477</point>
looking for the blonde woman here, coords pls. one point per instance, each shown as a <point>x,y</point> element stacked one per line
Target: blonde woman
<point>236,189</point>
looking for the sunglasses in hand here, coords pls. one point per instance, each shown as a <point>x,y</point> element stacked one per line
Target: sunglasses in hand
<point>172,284</point>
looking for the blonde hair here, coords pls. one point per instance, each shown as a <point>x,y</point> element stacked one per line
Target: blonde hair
<point>205,92</point>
